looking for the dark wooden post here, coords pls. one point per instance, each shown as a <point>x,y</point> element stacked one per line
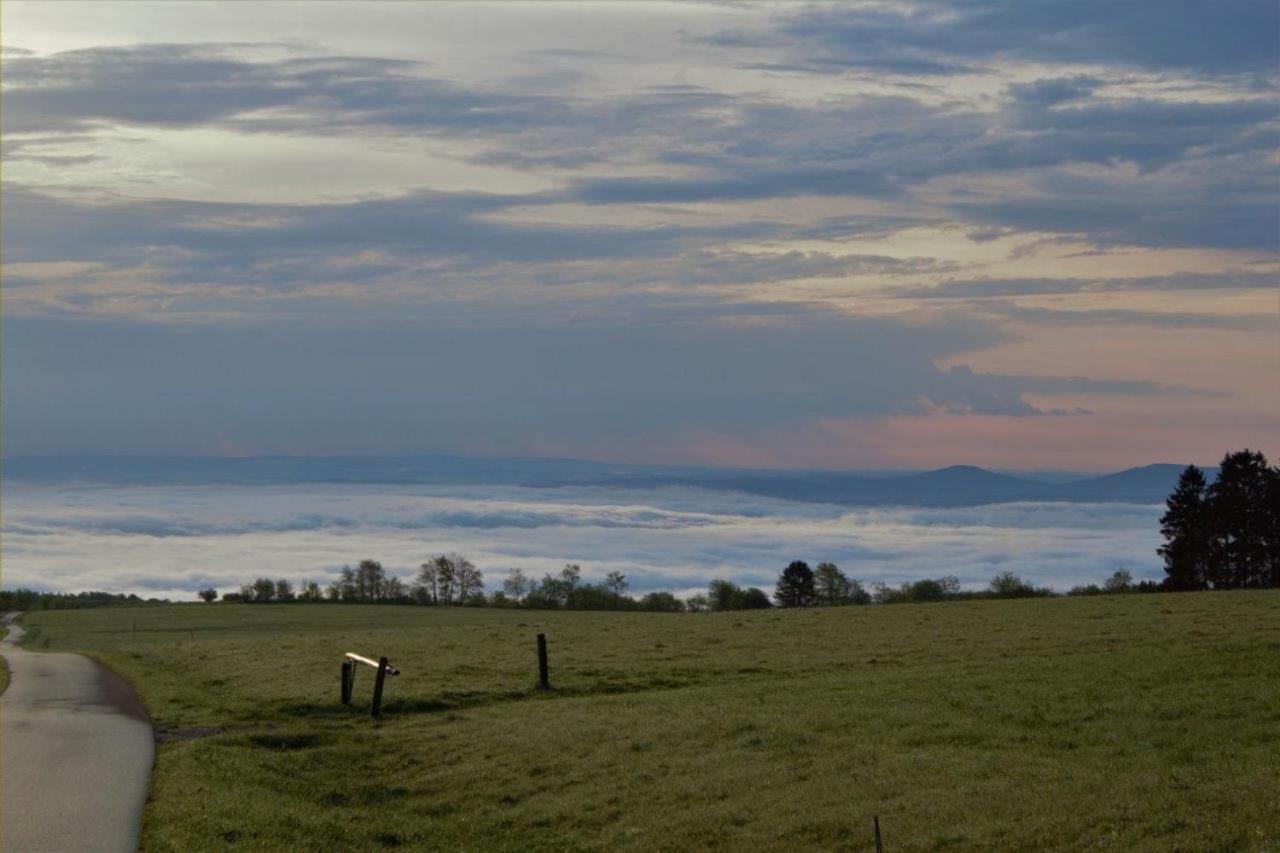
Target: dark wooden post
<point>377,686</point>
<point>346,682</point>
<point>879,845</point>
<point>544,678</point>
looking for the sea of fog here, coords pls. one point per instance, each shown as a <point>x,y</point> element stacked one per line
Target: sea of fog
<point>168,541</point>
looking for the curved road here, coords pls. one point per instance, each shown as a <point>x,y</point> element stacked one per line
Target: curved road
<point>75,754</point>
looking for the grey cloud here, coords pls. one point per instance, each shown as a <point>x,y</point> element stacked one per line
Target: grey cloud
<point>401,384</point>
<point>1150,133</point>
<point>1004,287</point>
<point>1055,90</point>
<point>961,390</point>
<point>211,239</point>
<point>1126,317</point>
<point>190,84</point>
<point>736,148</point>
<point>1123,214</point>
<point>1242,37</point>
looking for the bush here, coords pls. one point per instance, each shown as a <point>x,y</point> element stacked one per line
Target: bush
<point>661,602</point>
<point>926,590</point>
<point>1121,581</point>
<point>727,595</point>
<point>1009,585</point>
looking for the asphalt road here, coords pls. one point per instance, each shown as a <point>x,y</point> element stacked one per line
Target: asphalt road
<point>76,749</point>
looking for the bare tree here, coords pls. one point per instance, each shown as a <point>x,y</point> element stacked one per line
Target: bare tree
<point>445,579</point>
<point>347,588</point>
<point>571,574</point>
<point>516,586</point>
<point>616,582</point>
<point>369,580</point>
<point>467,578</point>
<point>425,589</point>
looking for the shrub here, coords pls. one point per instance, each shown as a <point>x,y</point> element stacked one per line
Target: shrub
<point>1010,585</point>
<point>662,602</point>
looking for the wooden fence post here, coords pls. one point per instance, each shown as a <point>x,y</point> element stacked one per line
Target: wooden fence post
<point>346,682</point>
<point>377,686</point>
<point>544,677</point>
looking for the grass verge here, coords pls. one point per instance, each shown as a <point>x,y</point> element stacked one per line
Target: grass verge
<point>1126,722</point>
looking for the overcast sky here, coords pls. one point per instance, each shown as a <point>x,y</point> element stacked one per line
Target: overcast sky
<point>1027,235</point>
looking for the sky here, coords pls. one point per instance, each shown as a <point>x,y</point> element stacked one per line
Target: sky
<point>1026,236</point>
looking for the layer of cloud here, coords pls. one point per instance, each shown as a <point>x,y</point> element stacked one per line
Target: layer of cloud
<point>922,38</point>
<point>174,540</point>
<point>556,235</point>
<point>425,383</point>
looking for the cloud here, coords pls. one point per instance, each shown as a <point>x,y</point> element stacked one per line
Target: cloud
<point>412,383</point>
<point>1051,91</point>
<point>949,37</point>
<point>486,252</point>
<point>53,542</point>
<point>185,85</point>
<point>1239,279</point>
<point>1130,317</point>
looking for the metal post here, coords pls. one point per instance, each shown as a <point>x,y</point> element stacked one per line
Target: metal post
<point>377,686</point>
<point>544,678</point>
<point>879,845</point>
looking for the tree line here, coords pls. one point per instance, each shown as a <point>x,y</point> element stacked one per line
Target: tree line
<point>452,580</point>
<point>1224,534</point>
<point>30,599</point>
<point>827,586</point>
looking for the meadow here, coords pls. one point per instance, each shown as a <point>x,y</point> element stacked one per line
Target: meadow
<point>1117,722</point>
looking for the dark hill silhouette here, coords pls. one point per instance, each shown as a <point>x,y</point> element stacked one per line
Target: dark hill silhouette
<point>957,485</point>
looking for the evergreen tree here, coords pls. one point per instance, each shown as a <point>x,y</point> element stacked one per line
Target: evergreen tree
<point>1185,528</point>
<point>1240,521</point>
<point>1273,526</point>
<point>796,586</point>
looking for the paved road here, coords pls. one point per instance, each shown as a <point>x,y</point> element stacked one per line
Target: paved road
<point>75,754</point>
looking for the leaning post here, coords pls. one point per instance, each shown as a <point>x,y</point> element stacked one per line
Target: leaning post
<point>544,677</point>
<point>377,686</point>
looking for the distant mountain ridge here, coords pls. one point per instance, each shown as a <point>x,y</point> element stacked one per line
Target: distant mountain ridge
<point>957,485</point>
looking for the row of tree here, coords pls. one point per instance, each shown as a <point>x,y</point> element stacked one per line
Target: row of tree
<point>827,586</point>
<point>452,580</point>
<point>30,599</point>
<point>1224,534</point>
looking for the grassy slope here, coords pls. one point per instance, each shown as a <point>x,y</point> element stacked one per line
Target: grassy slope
<point>4,670</point>
<point>1126,722</point>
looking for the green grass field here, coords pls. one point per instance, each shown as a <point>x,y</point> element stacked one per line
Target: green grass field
<point>1120,723</point>
<point>4,670</point>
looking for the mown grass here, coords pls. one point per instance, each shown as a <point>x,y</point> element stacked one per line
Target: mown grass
<point>1125,722</point>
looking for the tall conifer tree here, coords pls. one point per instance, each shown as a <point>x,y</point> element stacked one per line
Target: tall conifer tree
<point>1186,532</point>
